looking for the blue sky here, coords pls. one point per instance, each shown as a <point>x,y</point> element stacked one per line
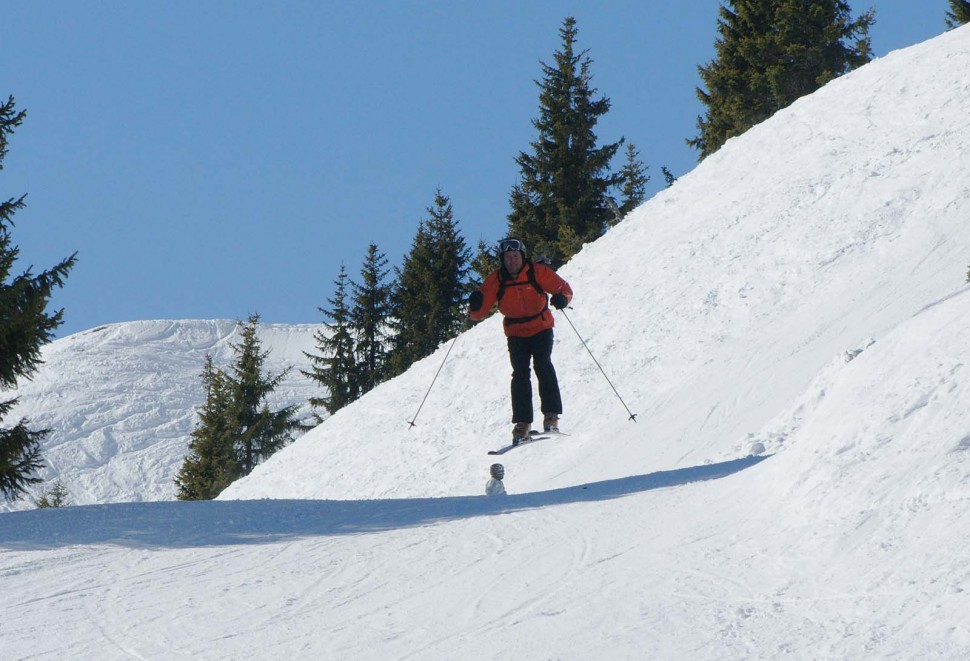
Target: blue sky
<point>214,159</point>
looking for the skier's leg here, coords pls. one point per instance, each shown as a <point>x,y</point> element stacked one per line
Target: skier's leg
<point>519,355</point>
<point>549,397</point>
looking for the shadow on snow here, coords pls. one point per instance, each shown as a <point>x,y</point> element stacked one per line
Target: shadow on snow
<point>217,523</point>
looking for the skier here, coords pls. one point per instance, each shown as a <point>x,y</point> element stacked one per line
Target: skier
<point>521,289</point>
<point>494,486</point>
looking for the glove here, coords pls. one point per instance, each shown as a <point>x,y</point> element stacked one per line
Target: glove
<point>475,300</point>
<point>559,301</point>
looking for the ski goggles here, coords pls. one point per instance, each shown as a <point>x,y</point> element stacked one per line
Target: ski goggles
<point>511,245</point>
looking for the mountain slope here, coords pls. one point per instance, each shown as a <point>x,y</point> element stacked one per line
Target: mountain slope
<point>712,307</point>
<point>121,400</point>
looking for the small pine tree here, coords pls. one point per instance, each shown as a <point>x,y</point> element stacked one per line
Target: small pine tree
<point>635,179</point>
<point>334,368</point>
<point>25,326</point>
<point>370,319</point>
<point>212,463</point>
<point>669,177</point>
<point>560,202</point>
<point>56,495</point>
<point>484,261</point>
<point>959,14</point>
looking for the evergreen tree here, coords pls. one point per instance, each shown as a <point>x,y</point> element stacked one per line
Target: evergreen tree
<point>261,431</point>
<point>635,178</point>
<point>56,495</point>
<point>959,14</point>
<point>429,295</point>
<point>370,320</point>
<point>25,326</point>
<point>770,53</point>
<point>212,463</point>
<point>335,366</point>
<point>560,202</point>
<point>236,428</point>
<point>484,261</point>
<point>669,177</point>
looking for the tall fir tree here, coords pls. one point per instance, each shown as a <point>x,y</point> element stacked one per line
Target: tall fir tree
<point>262,431</point>
<point>236,429</point>
<point>25,326</point>
<point>959,14</point>
<point>431,287</point>
<point>634,177</point>
<point>370,319</point>
<point>560,201</point>
<point>768,54</point>
<point>334,368</point>
<point>212,463</point>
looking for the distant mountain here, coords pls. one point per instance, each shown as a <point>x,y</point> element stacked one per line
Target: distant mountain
<point>121,401</point>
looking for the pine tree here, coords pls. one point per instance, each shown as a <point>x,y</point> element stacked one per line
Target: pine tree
<point>428,300</point>
<point>56,495</point>
<point>335,366</point>
<point>770,53</point>
<point>261,431</point>
<point>635,179</point>
<point>212,463</point>
<point>25,326</point>
<point>560,202</point>
<point>484,261</point>
<point>370,320</point>
<point>236,428</point>
<point>959,14</point>
<point>669,177</point>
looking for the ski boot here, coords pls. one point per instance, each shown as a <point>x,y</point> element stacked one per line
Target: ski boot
<point>550,423</point>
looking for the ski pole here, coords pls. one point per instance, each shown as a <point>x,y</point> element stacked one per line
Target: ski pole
<point>411,422</point>
<point>633,416</point>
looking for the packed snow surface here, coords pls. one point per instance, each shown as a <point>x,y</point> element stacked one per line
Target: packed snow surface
<point>790,322</point>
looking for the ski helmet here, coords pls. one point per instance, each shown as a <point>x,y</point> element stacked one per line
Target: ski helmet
<point>512,245</point>
<point>497,471</point>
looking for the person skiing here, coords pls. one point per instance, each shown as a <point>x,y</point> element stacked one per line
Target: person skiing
<point>522,288</point>
<point>494,486</point>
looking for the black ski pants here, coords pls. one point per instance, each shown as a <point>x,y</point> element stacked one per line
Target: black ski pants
<point>536,349</point>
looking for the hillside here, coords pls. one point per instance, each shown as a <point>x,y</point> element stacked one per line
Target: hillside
<point>121,400</point>
<point>790,321</point>
<point>712,307</point>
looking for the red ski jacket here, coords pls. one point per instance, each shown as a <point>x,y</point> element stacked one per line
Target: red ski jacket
<point>526,309</point>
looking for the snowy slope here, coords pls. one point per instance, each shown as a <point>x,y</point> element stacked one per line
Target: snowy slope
<point>121,401</point>
<point>802,290</point>
<point>712,307</point>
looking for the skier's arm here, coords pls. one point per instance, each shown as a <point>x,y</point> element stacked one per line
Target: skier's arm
<point>489,292</point>
<point>552,283</point>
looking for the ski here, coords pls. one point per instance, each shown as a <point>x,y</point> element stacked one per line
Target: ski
<point>534,436</point>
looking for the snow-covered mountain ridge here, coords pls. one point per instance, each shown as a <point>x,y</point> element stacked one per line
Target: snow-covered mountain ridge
<point>121,401</point>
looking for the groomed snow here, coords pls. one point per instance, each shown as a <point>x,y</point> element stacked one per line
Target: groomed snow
<point>790,322</point>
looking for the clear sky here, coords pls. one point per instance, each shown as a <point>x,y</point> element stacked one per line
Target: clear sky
<point>213,159</point>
